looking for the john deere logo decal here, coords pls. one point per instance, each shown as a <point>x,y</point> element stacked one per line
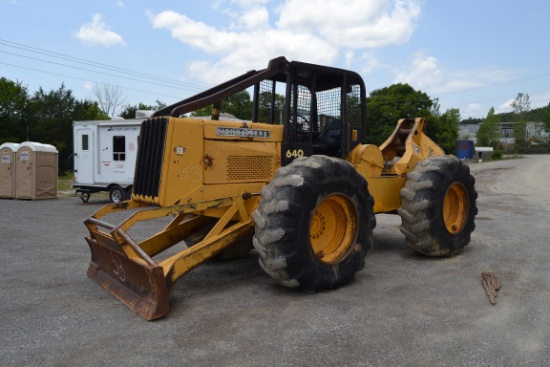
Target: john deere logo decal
<point>242,132</point>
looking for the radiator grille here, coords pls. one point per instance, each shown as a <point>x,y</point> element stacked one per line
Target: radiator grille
<point>240,168</point>
<point>150,156</point>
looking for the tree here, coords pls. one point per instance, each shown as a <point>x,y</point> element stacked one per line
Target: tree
<point>522,107</point>
<point>387,105</point>
<point>129,112</point>
<point>545,117</point>
<point>14,101</point>
<point>87,110</point>
<point>445,129</point>
<point>109,98</point>
<point>46,117</point>
<point>238,105</point>
<point>488,134</point>
<point>270,110</point>
<point>471,120</point>
<point>51,114</point>
<point>202,112</point>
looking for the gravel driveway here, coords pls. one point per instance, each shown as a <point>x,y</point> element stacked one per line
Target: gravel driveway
<point>401,310</point>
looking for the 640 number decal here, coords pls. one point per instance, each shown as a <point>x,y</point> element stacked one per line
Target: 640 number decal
<point>294,153</point>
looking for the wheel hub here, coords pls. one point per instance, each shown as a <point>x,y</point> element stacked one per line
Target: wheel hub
<point>455,208</point>
<point>333,228</point>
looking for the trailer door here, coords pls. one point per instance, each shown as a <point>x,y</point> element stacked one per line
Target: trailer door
<point>84,157</point>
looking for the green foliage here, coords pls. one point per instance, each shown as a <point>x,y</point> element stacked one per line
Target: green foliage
<point>521,106</point>
<point>444,129</point>
<point>545,118</point>
<point>45,117</point>
<point>496,155</point>
<point>238,105</point>
<point>51,119</point>
<point>265,107</point>
<point>488,134</point>
<point>387,105</point>
<point>202,112</point>
<point>87,110</point>
<point>129,112</point>
<point>471,120</point>
<point>13,109</point>
<point>65,181</point>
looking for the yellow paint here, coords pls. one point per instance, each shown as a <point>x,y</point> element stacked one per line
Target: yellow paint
<point>455,208</point>
<point>212,175</point>
<point>333,228</point>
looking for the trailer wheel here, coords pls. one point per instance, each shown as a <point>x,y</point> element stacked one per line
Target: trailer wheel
<point>438,206</point>
<point>314,224</point>
<point>117,194</point>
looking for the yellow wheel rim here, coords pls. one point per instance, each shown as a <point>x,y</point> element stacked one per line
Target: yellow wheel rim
<point>455,208</point>
<point>333,228</point>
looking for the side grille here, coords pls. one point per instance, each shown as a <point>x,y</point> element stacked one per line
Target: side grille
<point>241,168</point>
<point>150,155</point>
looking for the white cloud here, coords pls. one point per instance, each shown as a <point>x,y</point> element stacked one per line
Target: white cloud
<point>352,23</point>
<point>424,72</point>
<point>473,109</point>
<point>88,86</point>
<point>539,98</point>
<point>253,19</point>
<point>249,3</point>
<point>306,30</point>
<point>240,51</point>
<point>365,63</point>
<point>505,107</point>
<point>97,33</point>
<point>120,3</point>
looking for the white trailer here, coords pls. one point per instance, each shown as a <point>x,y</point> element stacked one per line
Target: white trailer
<point>105,157</point>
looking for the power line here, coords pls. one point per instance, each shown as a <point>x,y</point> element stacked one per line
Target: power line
<point>188,86</point>
<point>88,80</point>
<point>92,71</point>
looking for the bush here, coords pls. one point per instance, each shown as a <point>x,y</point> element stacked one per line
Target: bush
<point>496,155</point>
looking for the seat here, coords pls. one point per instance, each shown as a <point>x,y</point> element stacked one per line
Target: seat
<point>328,140</point>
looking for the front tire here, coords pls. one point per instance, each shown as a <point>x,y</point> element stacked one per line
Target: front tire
<point>438,206</point>
<point>314,224</point>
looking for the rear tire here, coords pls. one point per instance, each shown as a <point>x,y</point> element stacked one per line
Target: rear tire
<point>239,249</point>
<point>117,194</point>
<point>438,206</point>
<point>129,191</point>
<point>314,224</point>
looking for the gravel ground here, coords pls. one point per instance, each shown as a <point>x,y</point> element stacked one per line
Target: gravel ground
<point>401,310</point>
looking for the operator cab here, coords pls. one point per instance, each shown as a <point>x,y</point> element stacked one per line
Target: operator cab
<point>323,111</point>
<point>322,108</point>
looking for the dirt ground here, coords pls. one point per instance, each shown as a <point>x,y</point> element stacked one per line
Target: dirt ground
<point>401,310</point>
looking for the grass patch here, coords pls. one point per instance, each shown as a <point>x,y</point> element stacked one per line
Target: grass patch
<point>65,182</point>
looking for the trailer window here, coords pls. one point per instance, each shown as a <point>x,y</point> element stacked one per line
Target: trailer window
<point>119,148</point>
<point>84,142</point>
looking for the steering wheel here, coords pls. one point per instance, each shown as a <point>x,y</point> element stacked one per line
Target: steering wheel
<point>302,123</point>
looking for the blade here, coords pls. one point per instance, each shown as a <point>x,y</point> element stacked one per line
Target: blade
<point>138,285</point>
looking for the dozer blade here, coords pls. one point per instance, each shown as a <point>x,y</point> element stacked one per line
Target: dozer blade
<point>140,286</point>
<point>126,268</point>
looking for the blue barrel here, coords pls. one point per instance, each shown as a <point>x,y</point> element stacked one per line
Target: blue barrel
<point>465,149</point>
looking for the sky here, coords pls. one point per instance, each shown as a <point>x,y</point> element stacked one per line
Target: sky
<point>469,54</point>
